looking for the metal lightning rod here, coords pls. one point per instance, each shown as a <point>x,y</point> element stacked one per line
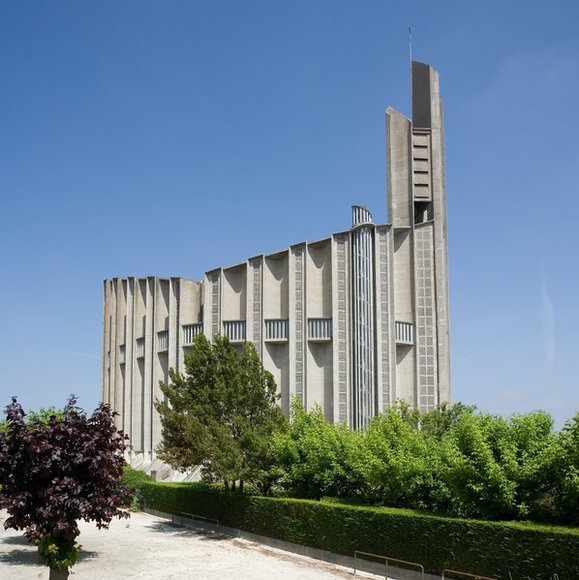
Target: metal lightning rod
<point>410,56</point>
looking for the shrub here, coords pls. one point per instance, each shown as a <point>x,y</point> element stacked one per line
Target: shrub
<point>489,548</point>
<point>58,468</point>
<point>134,479</point>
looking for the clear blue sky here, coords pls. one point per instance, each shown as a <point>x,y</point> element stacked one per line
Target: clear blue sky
<point>171,137</point>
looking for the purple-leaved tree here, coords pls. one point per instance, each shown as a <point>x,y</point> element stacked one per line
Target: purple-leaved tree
<point>57,470</point>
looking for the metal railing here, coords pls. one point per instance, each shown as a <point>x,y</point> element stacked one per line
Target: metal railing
<point>234,330</point>
<point>386,560</point>
<point>404,332</point>
<point>553,577</point>
<point>163,340</point>
<point>464,575</point>
<point>276,329</point>
<point>190,331</point>
<point>182,516</point>
<point>319,328</point>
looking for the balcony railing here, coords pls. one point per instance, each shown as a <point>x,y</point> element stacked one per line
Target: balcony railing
<point>140,347</point>
<point>404,333</point>
<point>276,330</point>
<point>163,340</point>
<point>234,330</point>
<point>122,354</point>
<point>190,331</point>
<point>319,329</point>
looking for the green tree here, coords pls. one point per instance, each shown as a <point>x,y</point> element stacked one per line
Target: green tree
<point>319,459</point>
<point>442,419</point>
<point>557,498</point>
<point>221,414</point>
<point>403,464</point>
<point>533,438</point>
<point>481,466</point>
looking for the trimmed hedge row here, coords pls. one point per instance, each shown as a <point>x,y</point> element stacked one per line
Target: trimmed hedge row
<point>134,478</point>
<point>488,548</point>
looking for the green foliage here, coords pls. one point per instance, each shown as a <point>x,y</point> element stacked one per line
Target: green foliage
<point>43,416</point>
<point>487,548</point>
<point>58,553</point>
<point>403,465</point>
<point>559,464</point>
<point>40,418</point>
<point>318,459</point>
<point>222,414</point>
<point>451,461</point>
<point>133,480</point>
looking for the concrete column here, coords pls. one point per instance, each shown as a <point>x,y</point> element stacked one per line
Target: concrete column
<point>341,312</point>
<point>119,339</point>
<point>148,370</point>
<point>428,116</point>
<point>129,288</point>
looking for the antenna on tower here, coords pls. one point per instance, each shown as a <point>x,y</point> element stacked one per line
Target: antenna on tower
<point>410,56</point>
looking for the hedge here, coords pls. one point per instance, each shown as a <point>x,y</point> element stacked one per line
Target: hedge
<point>134,478</point>
<point>487,548</point>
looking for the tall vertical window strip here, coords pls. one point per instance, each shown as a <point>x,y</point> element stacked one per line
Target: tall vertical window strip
<point>364,398</point>
<point>140,347</point>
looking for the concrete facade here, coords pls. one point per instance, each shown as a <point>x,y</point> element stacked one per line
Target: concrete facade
<point>352,322</point>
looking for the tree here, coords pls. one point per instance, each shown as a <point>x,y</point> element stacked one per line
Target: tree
<point>56,470</point>
<point>402,465</point>
<point>557,478</point>
<point>221,414</point>
<point>319,459</point>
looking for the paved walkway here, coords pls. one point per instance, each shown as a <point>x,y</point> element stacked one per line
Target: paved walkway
<point>146,547</point>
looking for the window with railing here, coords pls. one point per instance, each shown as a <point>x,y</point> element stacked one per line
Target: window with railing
<point>140,347</point>
<point>163,340</point>
<point>190,331</point>
<point>404,332</point>
<point>319,329</point>
<point>234,330</point>
<point>122,354</point>
<point>276,330</point>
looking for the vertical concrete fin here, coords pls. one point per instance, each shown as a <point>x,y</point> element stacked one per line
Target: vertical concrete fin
<point>427,124</point>
<point>399,168</point>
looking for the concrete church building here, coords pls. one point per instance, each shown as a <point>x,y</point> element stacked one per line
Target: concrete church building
<point>351,322</point>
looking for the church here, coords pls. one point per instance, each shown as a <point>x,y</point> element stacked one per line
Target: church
<point>352,322</point>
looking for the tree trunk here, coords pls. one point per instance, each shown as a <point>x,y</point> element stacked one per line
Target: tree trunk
<point>58,574</point>
<point>241,486</point>
<point>233,486</point>
<point>226,485</point>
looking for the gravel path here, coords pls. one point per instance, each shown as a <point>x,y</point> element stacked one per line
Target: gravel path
<point>147,547</point>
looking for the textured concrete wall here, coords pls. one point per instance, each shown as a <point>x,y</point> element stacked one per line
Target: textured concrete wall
<point>407,283</point>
